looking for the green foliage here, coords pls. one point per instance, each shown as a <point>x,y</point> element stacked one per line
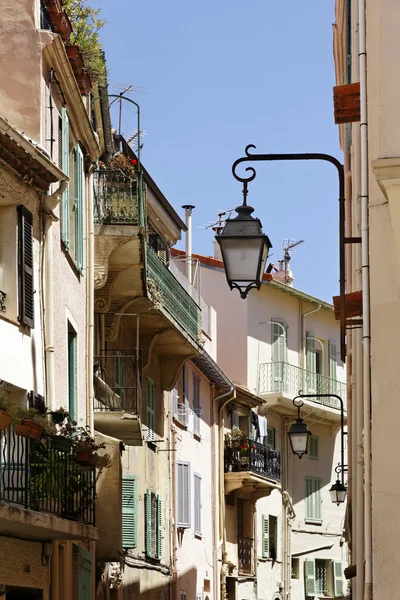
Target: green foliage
<point>86,25</point>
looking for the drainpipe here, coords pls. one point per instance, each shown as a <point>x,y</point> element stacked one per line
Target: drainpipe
<point>188,216</point>
<point>366,301</point>
<point>50,202</point>
<point>229,396</point>
<point>214,483</point>
<point>89,301</point>
<point>306,314</point>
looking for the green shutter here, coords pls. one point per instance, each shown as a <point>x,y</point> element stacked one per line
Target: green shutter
<point>128,511</point>
<point>79,210</point>
<point>271,432</point>
<point>72,383</point>
<point>119,379</point>
<point>65,216</point>
<point>278,352</point>
<point>337,578</point>
<point>150,397</point>
<point>332,366</point>
<point>159,527</point>
<point>265,536</point>
<point>313,499</point>
<point>26,291</point>
<point>311,363</point>
<point>147,517</point>
<point>309,577</point>
<point>82,566</point>
<point>314,448</point>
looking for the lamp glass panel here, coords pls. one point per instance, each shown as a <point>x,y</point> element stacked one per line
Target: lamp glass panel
<point>242,258</point>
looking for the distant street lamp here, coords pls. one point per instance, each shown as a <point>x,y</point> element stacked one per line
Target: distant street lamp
<point>299,435</point>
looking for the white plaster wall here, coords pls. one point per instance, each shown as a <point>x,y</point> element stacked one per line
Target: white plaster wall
<point>195,553</point>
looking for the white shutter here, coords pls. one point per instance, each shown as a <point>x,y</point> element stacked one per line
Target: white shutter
<point>196,404</point>
<point>311,363</point>
<point>309,577</point>
<point>175,398</point>
<point>151,420</point>
<point>278,353</point>
<point>265,536</point>
<point>197,503</point>
<point>183,493</point>
<point>185,402</point>
<point>337,578</point>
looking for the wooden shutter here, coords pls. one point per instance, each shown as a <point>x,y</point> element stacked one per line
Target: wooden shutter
<point>147,523</point>
<point>309,577</point>
<point>184,418</point>
<point>337,578</point>
<point>314,447</point>
<point>265,536</point>
<point>313,499</point>
<point>65,213</point>
<point>82,567</point>
<point>79,209</point>
<point>175,399</point>
<point>37,401</point>
<point>271,441</point>
<point>119,378</point>
<point>278,352</point>
<point>25,267</point>
<point>183,500</point>
<point>197,503</point>
<point>150,397</point>
<point>196,404</point>
<point>159,528</point>
<point>129,511</point>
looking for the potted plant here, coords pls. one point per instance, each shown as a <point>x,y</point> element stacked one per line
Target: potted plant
<point>49,484</point>
<point>86,450</point>
<point>58,437</point>
<point>31,423</point>
<point>236,438</point>
<point>59,415</point>
<point>5,416</point>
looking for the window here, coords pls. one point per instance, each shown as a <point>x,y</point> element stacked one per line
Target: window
<point>270,440</point>
<point>279,331</point>
<point>150,400</point>
<point>119,379</point>
<point>269,528</point>
<point>197,503</point>
<point>129,511</point>
<point>311,362</point>
<point>295,568</point>
<point>72,221</point>
<point>196,404</point>
<point>314,448</point>
<point>323,578</point>
<point>182,595</point>
<point>180,405</point>
<point>153,525</point>
<point>183,492</point>
<point>313,499</point>
<point>25,268</point>
<point>72,373</point>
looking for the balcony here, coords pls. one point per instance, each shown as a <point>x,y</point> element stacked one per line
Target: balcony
<point>282,379</point>
<point>116,199</point>
<point>170,296</point>
<point>246,556</point>
<point>45,493</point>
<point>117,389</point>
<point>249,465</point>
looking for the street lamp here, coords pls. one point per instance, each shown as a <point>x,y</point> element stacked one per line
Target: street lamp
<point>299,434</point>
<point>244,249</point>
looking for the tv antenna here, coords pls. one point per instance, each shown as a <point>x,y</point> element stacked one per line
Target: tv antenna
<point>124,90</point>
<point>218,226</point>
<point>132,139</point>
<point>288,247</point>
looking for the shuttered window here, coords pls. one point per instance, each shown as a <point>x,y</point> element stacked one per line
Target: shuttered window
<point>196,404</point>
<point>119,379</point>
<point>279,332</point>
<point>313,499</point>
<point>65,213</point>
<point>82,573</point>
<point>323,577</point>
<point>269,536</point>
<point>79,209</point>
<point>153,525</point>
<point>25,268</point>
<point>150,400</point>
<point>311,363</point>
<point>338,579</point>
<point>129,528</point>
<point>197,503</point>
<point>309,577</point>
<point>183,494</point>
<point>314,448</point>
<point>271,435</point>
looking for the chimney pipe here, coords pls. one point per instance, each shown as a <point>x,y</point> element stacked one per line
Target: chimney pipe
<point>188,218</point>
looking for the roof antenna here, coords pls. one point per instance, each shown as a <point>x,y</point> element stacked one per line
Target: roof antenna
<point>288,251</point>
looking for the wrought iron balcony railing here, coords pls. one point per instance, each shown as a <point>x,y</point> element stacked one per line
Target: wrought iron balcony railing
<point>248,455</point>
<point>116,198</point>
<point>117,381</point>
<point>40,477</point>
<point>289,379</point>
<point>246,555</point>
<point>166,290</point>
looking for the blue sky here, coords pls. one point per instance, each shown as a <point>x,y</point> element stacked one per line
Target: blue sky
<point>218,75</point>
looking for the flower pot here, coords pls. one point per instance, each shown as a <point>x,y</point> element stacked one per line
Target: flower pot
<point>5,419</point>
<point>57,417</point>
<point>82,457</point>
<point>61,443</point>
<point>24,428</point>
<point>36,431</point>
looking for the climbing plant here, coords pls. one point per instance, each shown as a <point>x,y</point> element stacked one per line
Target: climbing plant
<point>86,24</point>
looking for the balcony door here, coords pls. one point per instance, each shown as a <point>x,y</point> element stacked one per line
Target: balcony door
<point>278,354</point>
